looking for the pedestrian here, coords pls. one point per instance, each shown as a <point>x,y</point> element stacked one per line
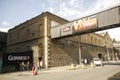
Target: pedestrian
<point>22,65</point>
<point>36,69</point>
<point>85,61</point>
<point>41,64</point>
<point>28,66</point>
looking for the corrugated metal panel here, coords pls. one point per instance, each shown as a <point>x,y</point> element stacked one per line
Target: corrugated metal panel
<point>55,32</point>
<point>109,17</point>
<point>66,29</point>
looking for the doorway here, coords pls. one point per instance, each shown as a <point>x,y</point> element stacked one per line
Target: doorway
<point>100,55</point>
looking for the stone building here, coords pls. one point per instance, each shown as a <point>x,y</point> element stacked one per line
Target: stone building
<point>33,36</point>
<point>92,45</point>
<point>116,45</point>
<point>103,43</point>
<point>3,40</point>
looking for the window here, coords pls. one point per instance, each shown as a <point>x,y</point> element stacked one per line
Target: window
<point>10,49</point>
<point>33,34</point>
<point>17,48</point>
<point>39,28</point>
<point>27,46</point>
<point>91,39</point>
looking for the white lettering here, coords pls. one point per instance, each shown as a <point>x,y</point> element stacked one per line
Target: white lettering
<point>13,58</point>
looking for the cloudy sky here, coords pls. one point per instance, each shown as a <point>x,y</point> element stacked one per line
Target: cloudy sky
<point>14,12</point>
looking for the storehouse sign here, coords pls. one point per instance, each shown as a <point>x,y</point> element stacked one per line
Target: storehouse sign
<point>65,29</point>
<point>14,58</point>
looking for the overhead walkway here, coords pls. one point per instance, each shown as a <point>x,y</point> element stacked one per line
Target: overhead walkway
<point>106,19</point>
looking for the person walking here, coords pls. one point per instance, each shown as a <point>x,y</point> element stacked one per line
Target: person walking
<point>85,61</point>
<point>41,64</point>
<point>36,69</point>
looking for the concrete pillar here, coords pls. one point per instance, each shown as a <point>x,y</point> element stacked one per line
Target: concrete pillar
<point>45,42</point>
<point>35,54</point>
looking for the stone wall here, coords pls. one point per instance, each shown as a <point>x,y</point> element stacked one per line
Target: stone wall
<point>30,35</point>
<point>62,54</point>
<point>65,52</point>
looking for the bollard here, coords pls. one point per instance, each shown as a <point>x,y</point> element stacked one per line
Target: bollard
<point>72,66</point>
<point>92,65</point>
<point>83,66</point>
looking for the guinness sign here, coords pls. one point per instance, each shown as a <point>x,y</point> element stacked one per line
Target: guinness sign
<point>13,58</point>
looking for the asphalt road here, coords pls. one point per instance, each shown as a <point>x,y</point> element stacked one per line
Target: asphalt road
<point>64,73</point>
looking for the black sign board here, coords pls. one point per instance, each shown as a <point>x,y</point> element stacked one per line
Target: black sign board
<point>13,58</point>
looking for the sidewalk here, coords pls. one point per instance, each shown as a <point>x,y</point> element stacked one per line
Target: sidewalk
<point>24,75</point>
<point>53,69</point>
<point>58,73</point>
<point>57,69</point>
<point>64,68</point>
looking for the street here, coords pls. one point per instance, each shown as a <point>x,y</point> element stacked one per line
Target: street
<point>64,73</point>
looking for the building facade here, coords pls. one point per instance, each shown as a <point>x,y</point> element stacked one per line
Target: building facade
<point>116,45</point>
<point>92,45</point>
<point>3,41</point>
<point>34,37</point>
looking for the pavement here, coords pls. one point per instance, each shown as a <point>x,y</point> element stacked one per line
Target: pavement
<point>55,70</point>
<point>22,75</point>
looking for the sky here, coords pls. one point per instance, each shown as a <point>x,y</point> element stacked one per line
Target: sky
<point>14,12</point>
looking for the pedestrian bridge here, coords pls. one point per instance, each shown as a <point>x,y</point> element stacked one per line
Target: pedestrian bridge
<point>105,19</point>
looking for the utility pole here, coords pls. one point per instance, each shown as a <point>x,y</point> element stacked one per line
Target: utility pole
<point>80,56</point>
<point>119,50</point>
<point>80,61</point>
